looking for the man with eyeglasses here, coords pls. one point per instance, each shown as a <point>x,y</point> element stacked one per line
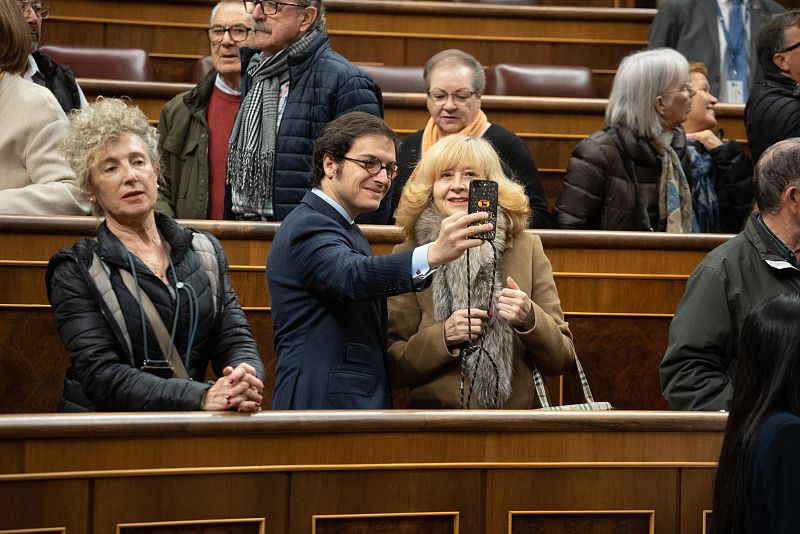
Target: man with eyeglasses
<point>719,33</point>
<point>195,126</point>
<point>773,111</point>
<point>42,70</point>
<point>293,85</point>
<point>328,292</point>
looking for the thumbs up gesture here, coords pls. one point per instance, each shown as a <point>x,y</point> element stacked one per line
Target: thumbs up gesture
<point>515,306</point>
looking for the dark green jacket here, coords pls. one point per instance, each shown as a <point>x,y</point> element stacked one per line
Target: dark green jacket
<point>699,367</point>
<point>183,142</point>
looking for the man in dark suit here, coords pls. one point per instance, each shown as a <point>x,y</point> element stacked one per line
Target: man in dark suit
<point>701,29</point>
<point>327,289</point>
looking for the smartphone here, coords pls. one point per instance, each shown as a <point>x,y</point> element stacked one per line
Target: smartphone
<point>483,197</point>
<point>160,368</point>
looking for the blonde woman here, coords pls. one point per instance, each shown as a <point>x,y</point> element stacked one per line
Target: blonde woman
<point>482,357</point>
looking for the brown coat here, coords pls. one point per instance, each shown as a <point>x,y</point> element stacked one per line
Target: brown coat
<point>420,359</point>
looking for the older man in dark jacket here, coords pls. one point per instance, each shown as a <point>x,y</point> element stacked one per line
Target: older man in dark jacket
<point>291,88</point>
<point>773,110</point>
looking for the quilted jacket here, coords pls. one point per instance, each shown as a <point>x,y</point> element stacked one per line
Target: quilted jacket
<point>103,374</point>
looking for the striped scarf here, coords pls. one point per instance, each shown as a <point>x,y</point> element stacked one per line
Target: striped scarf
<point>251,150</point>
<point>674,196</point>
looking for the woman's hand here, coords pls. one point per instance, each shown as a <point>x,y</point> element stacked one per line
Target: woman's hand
<point>457,327</point>
<point>514,306</point>
<point>706,137</point>
<point>238,388</point>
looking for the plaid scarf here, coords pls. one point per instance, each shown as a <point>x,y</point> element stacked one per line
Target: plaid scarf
<point>674,196</point>
<point>251,150</point>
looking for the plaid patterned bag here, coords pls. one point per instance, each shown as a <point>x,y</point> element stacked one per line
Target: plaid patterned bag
<point>590,404</point>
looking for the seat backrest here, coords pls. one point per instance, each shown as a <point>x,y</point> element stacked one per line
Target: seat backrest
<point>395,79</point>
<point>510,79</point>
<point>201,68</point>
<point>104,63</point>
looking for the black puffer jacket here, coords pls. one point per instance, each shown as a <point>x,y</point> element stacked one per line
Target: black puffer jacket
<point>102,368</point>
<point>611,189</point>
<point>772,113</point>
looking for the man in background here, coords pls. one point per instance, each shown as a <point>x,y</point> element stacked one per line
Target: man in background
<point>719,33</point>
<point>42,70</point>
<point>773,111</point>
<point>195,126</point>
<point>294,84</point>
<point>698,371</point>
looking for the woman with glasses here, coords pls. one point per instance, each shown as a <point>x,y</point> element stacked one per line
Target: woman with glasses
<point>635,174</point>
<point>195,127</point>
<point>34,178</point>
<point>454,83</point>
<point>722,174</point>
<point>471,339</point>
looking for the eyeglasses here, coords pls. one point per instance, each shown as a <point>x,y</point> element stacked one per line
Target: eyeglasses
<point>269,8</point>
<point>789,49</point>
<point>374,166</point>
<point>687,86</point>
<point>40,10</point>
<point>459,97</point>
<point>238,33</point>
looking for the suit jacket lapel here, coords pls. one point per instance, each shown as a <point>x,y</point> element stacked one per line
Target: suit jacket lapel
<point>709,15</point>
<point>357,239</point>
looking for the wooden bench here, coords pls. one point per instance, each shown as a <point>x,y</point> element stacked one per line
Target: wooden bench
<point>618,291</point>
<point>551,127</point>
<point>472,472</point>
<point>376,32</point>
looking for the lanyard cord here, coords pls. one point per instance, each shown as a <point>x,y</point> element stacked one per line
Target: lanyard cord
<point>469,349</point>
<point>734,49</point>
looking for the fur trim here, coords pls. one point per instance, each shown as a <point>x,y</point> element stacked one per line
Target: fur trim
<point>491,387</point>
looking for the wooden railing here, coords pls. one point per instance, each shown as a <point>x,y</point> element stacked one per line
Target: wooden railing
<point>618,290</point>
<point>352,472</point>
<point>376,32</point>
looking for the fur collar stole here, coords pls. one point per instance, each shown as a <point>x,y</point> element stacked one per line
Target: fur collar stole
<point>487,367</point>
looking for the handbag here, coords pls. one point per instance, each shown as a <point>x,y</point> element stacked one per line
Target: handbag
<point>589,405</point>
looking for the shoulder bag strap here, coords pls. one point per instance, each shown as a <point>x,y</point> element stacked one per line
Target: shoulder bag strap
<point>541,391</point>
<point>98,271</point>
<point>159,329</point>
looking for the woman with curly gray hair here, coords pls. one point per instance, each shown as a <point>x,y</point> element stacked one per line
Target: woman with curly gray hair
<point>144,307</point>
<point>634,174</point>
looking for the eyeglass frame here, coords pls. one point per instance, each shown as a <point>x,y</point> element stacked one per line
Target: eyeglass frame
<point>687,86</point>
<point>366,164</point>
<point>457,97</point>
<point>261,3</point>
<point>25,5</point>
<point>228,31</point>
<point>789,49</point>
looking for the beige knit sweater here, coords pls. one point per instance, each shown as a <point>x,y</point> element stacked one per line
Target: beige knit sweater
<point>34,177</point>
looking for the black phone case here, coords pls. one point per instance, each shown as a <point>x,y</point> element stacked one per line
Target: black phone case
<point>483,197</point>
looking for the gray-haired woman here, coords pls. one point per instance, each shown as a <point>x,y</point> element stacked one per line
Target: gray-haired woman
<point>633,175</point>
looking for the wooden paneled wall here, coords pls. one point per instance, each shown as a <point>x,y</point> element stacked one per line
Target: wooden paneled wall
<point>357,472</point>
<point>618,290</point>
<point>367,31</point>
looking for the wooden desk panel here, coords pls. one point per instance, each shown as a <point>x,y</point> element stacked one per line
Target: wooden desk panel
<point>618,291</point>
<point>350,472</point>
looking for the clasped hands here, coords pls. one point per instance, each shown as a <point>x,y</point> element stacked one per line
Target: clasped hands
<point>513,305</point>
<point>239,388</point>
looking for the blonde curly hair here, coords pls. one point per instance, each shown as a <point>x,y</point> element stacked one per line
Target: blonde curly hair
<point>448,153</point>
<point>103,122</point>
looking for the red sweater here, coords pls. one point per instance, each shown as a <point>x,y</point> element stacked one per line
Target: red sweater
<point>222,110</point>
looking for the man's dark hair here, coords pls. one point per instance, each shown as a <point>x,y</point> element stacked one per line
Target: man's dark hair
<point>771,38</point>
<point>338,136</point>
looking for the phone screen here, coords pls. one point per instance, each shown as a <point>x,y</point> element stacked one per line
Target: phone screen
<point>483,197</point>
